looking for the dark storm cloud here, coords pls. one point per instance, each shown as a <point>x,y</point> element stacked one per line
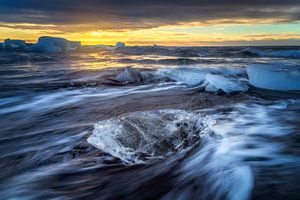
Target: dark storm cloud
<point>143,13</point>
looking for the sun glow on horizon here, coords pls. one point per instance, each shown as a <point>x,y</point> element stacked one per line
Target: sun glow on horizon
<point>215,32</point>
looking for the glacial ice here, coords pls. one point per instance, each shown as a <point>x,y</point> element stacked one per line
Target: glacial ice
<point>130,75</point>
<point>74,45</point>
<point>139,136</point>
<point>14,44</point>
<point>62,43</point>
<point>120,44</point>
<point>48,44</point>
<point>275,76</point>
<point>137,76</point>
<point>218,82</point>
<point>189,76</point>
<point>44,47</point>
<point>206,77</point>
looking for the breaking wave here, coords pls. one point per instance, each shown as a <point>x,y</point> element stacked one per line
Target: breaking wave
<point>273,53</point>
<point>226,152</point>
<point>50,103</point>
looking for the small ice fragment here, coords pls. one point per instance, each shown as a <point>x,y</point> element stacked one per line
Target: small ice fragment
<point>130,75</point>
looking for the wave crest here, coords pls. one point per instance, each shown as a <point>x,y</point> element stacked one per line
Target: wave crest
<point>273,53</point>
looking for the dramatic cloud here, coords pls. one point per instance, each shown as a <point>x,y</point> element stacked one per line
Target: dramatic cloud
<point>131,14</point>
<point>147,22</point>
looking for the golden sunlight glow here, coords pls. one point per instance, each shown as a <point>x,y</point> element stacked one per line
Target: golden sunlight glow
<point>192,34</point>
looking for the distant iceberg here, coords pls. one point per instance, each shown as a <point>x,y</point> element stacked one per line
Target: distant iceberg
<point>275,76</point>
<point>74,45</point>
<point>48,44</point>
<point>14,44</point>
<point>120,44</point>
<point>45,47</point>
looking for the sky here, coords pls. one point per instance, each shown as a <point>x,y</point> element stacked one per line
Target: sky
<point>148,22</point>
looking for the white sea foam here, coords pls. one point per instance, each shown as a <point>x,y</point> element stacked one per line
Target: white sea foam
<point>230,145</point>
<point>222,167</point>
<point>228,140</point>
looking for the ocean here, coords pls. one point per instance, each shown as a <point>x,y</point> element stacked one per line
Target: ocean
<point>137,123</point>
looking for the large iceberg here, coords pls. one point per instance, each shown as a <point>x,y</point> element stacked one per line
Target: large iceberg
<point>14,44</point>
<point>48,44</point>
<point>275,76</point>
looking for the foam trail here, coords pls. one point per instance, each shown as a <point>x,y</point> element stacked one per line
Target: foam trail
<point>222,168</point>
